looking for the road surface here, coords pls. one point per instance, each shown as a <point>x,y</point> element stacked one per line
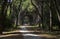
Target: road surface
<point>24,33</point>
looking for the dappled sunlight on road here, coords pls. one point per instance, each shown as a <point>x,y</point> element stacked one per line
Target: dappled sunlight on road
<point>28,31</point>
<point>27,26</point>
<point>30,35</point>
<point>9,35</point>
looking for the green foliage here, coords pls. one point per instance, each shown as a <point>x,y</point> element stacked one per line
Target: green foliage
<point>8,12</point>
<point>26,4</point>
<point>16,2</point>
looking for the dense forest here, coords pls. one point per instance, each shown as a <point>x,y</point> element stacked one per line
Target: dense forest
<point>42,13</point>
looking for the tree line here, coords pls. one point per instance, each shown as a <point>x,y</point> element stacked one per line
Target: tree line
<point>44,13</point>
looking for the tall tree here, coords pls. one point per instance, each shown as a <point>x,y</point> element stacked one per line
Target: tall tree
<point>3,16</point>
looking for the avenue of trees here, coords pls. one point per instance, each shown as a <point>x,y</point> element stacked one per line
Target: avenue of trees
<point>44,13</point>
